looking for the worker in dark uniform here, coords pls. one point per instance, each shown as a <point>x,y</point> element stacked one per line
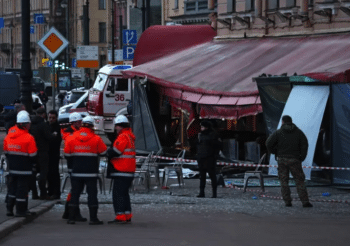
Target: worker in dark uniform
<point>20,150</point>
<point>75,120</point>
<point>208,149</point>
<point>290,146</point>
<point>84,148</point>
<point>122,155</point>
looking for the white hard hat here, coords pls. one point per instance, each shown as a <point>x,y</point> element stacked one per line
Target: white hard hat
<point>88,120</point>
<point>74,117</point>
<point>23,117</point>
<point>120,119</point>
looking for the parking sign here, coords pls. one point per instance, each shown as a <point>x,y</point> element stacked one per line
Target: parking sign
<point>128,52</point>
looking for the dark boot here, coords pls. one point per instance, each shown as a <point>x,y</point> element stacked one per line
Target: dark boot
<point>10,205</point>
<point>201,193</point>
<point>65,215</point>
<point>214,193</point>
<point>71,217</point>
<point>21,209</point>
<point>93,217</point>
<point>78,216</point>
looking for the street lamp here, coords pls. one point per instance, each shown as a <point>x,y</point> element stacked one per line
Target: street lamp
<point>64,4</point>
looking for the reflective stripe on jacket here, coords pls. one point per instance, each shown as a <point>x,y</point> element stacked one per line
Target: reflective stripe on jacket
<point>83,150</point>
<point>20,150</point>
<point>124,146</point>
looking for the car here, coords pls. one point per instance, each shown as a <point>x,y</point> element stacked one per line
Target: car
<point>72,96</point>
<point>38,84</point>
<point>78,106</point>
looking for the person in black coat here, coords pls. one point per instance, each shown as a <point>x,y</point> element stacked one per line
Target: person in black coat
<point>53,176</point>
<point>10,117</point>
<point>42,135</point>
<point>208,147</point>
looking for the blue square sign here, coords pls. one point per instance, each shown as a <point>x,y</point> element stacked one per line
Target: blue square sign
<point>2,22</point>
<point>128,52</point>
<point>129,37</point>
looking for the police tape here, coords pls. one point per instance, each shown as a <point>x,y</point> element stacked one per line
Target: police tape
<point>247,165</point>
<point>281,198</point>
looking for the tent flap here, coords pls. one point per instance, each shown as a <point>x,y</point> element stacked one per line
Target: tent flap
<point>305,104</point>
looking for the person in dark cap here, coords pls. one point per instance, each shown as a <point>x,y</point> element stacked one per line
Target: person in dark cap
<point>208,148</point>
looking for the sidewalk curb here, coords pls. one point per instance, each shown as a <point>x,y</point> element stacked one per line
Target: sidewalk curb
<point>15,223</point>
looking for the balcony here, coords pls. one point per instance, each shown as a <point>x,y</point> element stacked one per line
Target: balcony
<point>197,7</point>
<point>5,47</point>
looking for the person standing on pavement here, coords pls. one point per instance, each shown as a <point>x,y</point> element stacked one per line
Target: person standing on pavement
<point>84,149</point>
<point>208,148</point>
<point>122,156</point>
<point>20,150</point>
<point>290,146</point>
<point>43,97</point>
<point>43,136</point>
<point>75,120</point>
<point>10,117</point>
<point>53,177</point>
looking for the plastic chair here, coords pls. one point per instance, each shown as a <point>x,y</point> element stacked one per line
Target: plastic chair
<point>255,174</point>
<point>177,168</point>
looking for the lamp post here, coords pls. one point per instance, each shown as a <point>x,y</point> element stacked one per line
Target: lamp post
<point>86,37</point>
<point>64,4</point>
<point>26,71</point>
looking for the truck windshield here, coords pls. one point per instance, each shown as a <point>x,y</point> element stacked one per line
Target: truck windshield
<point>100,82</point>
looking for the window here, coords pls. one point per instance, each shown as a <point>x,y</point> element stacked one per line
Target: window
<point>102,32</point>
<point>122,85</point>
<point>273,4</point>
<point>249,5</point>
<point>176,5</point>
<point>231,6</point>
<point>101,4</point>
<point>290,3</point>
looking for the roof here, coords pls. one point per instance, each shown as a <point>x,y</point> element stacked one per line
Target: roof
<point>220,73</point>
<point>158,41</point>
<point>113,69</point>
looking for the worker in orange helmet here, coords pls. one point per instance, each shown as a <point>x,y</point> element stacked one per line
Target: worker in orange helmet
<point>123,159</point>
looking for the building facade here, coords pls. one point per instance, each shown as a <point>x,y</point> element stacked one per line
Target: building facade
<point>190,12</point>
<point>257,18</point>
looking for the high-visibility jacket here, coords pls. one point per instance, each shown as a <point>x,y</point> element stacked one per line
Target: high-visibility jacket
<point>66,134</point>
<point>123,155</point>
<point>20,150</point>
<point>83,149</point>
<point>68,131</point>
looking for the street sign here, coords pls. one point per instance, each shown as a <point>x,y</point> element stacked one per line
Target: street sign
<point>87,56</point>
<point>77,73</point>
<point>129,37</point>
<point>128,52</point>
<point>31,29</point>
<point>49,63</point>
<point>39,18</point>
<point>2,25</point>
<point>53,43</point>
<point>118,55</point>
<point>74,62</point>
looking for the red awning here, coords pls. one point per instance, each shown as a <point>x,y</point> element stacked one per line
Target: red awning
<point>159,41</point>
<point>225,70</point>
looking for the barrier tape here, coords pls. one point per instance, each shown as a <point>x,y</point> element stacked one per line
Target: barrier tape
<point>281,198</point>
<point>248,165</point>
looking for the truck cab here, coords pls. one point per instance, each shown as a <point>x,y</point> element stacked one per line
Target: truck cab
<point>109,95</point>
